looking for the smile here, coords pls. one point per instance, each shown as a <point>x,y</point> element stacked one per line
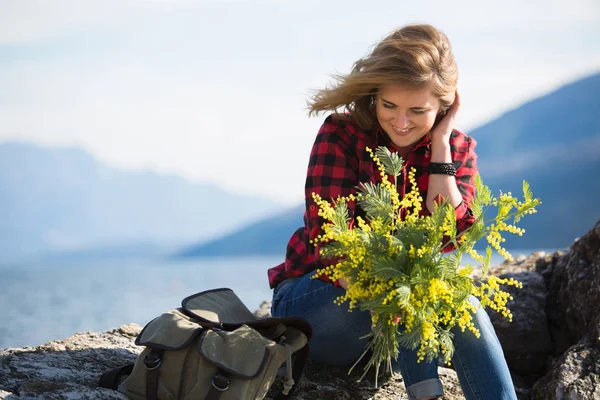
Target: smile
<point>398,130</point>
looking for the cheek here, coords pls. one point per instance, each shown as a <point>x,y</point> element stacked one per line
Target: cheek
<point>426,120</point>
<point>383,114</point>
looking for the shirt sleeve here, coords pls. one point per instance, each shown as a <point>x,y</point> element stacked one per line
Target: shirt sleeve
<point>332,172</point>
<point>466,170</point>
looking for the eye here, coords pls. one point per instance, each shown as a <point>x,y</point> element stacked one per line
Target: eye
<point>419,112</point>
<point>386,105</point>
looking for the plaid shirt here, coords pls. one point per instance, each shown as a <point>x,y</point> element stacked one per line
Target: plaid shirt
<point>339,162</point>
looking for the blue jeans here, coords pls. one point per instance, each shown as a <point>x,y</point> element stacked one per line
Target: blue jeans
<point>479,362</point>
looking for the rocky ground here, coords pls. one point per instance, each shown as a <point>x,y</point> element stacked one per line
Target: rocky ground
<point>552,346</point>
<point>69,368</point>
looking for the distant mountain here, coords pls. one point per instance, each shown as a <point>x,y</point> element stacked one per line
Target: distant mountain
<point>551,122</point>
<point>61,200</point>
<point>553,142</point>
<point>269,236</point>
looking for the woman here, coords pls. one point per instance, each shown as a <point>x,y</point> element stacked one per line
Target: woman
<point>403,96</point>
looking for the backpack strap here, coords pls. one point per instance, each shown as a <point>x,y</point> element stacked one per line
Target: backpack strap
<point>273,332</point>
<point>152,361</point>
<point>300,358</point>
<point>110,379</point>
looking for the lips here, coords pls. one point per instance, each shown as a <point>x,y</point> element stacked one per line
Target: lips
<point>401,132</point>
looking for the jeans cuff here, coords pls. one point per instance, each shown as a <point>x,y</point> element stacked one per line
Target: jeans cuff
<point>427,388</point>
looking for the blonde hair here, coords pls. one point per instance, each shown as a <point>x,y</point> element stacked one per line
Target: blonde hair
<point>415,56</point>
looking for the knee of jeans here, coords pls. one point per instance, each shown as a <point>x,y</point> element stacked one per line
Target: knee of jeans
<point>276,300</point>
<point>474,300</point>
<point>280,290</point>
<point>482,321</point>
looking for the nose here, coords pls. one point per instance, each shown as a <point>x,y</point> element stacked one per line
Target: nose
<point>402,120</point>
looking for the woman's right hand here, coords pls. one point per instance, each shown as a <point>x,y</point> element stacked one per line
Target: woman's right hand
<point>396,320</point>
<point>343,283</point>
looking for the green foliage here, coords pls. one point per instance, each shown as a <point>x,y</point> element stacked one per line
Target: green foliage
<point>340,219</point>
<point>392,162</point>
<point>386,268</point>
<point>402,293</point>
<point>410,339</point>
<point>445,338</point>
<point>396,269</point>
<point>377,202</point>
<point>487,261</point>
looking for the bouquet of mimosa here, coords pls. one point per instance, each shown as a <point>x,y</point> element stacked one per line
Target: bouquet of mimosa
<point>395,267</point>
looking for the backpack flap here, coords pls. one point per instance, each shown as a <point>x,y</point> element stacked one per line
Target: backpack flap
<point>171,331</point>
<point>243,352</point>
<point>295,338</point>
<point>218,307</point>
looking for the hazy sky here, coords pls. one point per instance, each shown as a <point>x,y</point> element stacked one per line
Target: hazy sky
<point>216,90</point>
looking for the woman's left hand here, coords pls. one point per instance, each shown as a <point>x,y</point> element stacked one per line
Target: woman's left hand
<point>444,128</point>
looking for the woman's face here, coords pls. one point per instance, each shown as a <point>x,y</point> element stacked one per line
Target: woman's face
<point>406,115</point>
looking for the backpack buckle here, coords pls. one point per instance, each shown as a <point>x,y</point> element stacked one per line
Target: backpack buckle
<point>152,360</point>
<point>220,382</point>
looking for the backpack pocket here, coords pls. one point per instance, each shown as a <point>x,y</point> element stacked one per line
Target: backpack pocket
<point>242,364</point>
<point>169,342</point>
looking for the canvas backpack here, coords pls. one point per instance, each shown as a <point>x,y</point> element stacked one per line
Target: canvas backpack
<point>213,348</point>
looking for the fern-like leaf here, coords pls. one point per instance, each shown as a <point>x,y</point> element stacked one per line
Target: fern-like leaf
<point>340,216</point>
<point>378,202</point>
<point>484,194</point>
<point>386,269</point>
<point>392,163</point>
<point>412,339</point>
<point>527,194</point>
<point>487,261</point>
<point>445,339</point>
<point>402,292</point>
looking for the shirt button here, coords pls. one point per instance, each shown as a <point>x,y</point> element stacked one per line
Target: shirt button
<point>312,208</point>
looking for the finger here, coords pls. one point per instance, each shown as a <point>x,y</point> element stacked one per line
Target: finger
<point>453,110</point>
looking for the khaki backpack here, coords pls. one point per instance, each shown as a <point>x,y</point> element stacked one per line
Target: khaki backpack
<point>213,348</point>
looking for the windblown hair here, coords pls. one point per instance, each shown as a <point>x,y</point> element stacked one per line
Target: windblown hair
<point>415,56</point>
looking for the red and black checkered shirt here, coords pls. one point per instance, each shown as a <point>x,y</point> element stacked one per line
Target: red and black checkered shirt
<point>339,162</point>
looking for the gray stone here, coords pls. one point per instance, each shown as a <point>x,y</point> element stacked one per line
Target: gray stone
<point>264,310</point>
<point>575,375</point>
<point>573,310</point>
<point>69,368</point>
<point>552,344</point>
<point>573,282</point>
<point>333,383</point>
<point>526,340</point>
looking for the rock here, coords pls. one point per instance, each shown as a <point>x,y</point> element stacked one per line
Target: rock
<point>575,375</point>
<point>322,382</point>
<point>69,368</point>
<point>7,395</point>
<point>526,340</point>
<point>264,310</point>
<point>573,311</point>
<point>552,344</point>
<point>574,290</point>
